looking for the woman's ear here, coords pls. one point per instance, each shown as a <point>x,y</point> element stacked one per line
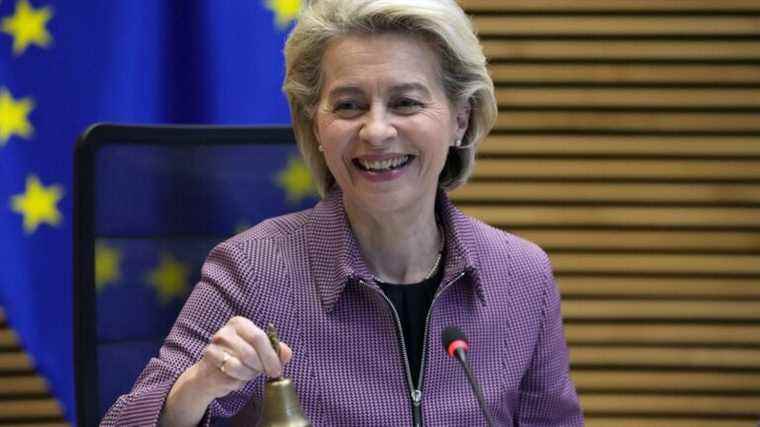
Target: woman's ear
<point>463,118</point>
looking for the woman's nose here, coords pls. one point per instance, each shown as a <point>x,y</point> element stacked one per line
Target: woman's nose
<point>377,128</point>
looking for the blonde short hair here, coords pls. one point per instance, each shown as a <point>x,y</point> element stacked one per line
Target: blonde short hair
<point>442,23</point>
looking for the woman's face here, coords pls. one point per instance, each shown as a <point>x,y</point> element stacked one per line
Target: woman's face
<point>384,121</point>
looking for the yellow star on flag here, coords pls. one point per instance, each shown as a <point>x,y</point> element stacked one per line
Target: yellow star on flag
<point>38,204</point>
<point>27,26</point>
<point>295,179</point>
<point>169,278</point>
<point>285,11</point>
<point>107,262</point>
<point>13,116</point>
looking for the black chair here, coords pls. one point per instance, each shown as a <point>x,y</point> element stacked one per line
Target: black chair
<point>150,203</point>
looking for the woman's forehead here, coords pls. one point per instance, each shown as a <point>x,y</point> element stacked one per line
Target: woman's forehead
<point>400,61</point>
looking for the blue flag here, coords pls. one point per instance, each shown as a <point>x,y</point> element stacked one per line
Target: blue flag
<point>65,65</point>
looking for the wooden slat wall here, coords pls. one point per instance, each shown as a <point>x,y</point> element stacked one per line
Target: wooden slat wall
<point>24,396</point>
<point>628,146</point>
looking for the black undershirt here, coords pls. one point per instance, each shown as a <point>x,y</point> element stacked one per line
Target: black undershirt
<point>412,302</point>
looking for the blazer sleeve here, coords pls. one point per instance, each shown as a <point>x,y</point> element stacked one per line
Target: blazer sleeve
<point>547,395</point>
<point>210,305</point>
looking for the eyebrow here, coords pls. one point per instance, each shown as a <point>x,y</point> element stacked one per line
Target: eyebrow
<point>351,89</point>
<point>343,90</point>
<point>411,87</point>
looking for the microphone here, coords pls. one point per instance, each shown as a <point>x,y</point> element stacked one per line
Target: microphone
<point>455,345</point>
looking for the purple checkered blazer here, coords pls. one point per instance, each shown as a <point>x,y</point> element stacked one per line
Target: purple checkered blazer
<point>305,273</point>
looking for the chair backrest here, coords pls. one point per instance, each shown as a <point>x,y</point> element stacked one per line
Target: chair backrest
<point>150,202</point>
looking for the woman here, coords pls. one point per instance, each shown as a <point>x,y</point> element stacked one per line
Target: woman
<point>389,100</point>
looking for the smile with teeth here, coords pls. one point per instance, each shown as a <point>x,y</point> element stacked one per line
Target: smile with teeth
<point>383,165</point>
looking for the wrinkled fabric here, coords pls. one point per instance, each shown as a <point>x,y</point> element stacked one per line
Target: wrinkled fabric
<point>304,272</point>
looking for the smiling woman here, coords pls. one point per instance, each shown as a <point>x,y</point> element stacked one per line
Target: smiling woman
<point>389,101</point>
<point>385,127</point>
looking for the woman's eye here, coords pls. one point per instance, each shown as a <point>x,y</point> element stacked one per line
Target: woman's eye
<point>348,109</point>
<point>407,105</point>
<point>346,106</point>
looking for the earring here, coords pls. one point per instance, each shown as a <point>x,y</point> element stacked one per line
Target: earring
<point>458,143</point>
<point>320,148</point>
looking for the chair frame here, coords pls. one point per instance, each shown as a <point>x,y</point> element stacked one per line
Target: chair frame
<point>87,146</point>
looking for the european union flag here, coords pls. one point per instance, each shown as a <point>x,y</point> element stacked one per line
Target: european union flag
<point>65,65</point>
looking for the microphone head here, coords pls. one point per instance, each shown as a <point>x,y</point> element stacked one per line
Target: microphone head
<point>453,339</point>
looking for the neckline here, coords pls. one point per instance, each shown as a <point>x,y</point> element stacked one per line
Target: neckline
<point>413,287</point>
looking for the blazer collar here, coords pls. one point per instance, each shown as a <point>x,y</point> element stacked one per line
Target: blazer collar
<point>335,257</point>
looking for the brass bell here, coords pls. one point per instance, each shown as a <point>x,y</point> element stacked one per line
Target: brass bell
<point>281,405</point>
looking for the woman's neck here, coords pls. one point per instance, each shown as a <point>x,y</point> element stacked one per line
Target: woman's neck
<point>399,247</point>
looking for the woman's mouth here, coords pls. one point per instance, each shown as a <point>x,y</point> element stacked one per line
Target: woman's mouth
<point>385,165</point>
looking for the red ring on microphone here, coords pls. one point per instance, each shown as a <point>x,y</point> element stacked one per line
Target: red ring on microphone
<point>455,345</point>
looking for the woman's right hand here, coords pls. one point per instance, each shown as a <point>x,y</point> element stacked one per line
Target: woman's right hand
<point>236,354</point>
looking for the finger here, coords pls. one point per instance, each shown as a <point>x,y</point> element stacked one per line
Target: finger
<point>229,366</point>
<point>258,339</point>
<point>245,353</point>
<point>285,353</point>
<point>227,337</point>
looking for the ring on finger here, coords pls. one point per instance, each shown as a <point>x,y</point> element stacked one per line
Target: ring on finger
<point>224,361</point>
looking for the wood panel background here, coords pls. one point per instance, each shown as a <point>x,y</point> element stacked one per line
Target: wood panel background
<point>25,398</point>
<point>628,146</point>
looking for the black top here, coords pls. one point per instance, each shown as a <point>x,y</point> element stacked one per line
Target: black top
<point>412,302</point>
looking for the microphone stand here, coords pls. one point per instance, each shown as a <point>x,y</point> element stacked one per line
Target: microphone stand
<point>460,356</point>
